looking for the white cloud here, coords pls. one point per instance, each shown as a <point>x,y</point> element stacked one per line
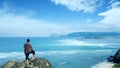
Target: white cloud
<point>112,17</point>
<point>115,4</point>
<point>112,1</point>
<point>23,24</point>
<point>10,8</point>
<point>80,5</point>
<point>88,20</point>
<point>14,25</point>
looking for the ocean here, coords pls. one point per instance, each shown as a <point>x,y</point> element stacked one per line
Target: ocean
<point>61,52</point>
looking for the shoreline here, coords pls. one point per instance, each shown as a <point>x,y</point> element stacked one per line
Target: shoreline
<point>104,64</point>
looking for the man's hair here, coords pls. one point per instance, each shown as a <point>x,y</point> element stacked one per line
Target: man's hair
<point>28,40</point>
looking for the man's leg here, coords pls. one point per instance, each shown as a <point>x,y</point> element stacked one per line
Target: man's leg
<point>33,52</point>
<point>27,55</point>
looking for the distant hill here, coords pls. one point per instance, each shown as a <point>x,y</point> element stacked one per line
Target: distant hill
<point>94,35</point>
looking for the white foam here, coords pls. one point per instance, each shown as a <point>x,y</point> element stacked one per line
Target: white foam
<point>104,65</point>
<point>59,52</point>
<point>76,42</point>
<point>73,52</point>
<point>21,54</point>
<point>63,63</point>
<point>12,54</point>
<point>63,52</point>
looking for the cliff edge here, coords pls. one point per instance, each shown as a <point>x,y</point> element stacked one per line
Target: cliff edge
<point>33,63</point>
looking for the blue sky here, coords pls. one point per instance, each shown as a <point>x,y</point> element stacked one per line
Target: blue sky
<point>47,17</point>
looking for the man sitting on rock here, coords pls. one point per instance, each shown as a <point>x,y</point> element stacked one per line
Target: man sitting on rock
<point>28,49</point>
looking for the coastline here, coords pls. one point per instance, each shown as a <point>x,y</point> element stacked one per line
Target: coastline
<point>104,64</point>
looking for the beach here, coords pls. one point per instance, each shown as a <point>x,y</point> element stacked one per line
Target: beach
<point>104,65</point>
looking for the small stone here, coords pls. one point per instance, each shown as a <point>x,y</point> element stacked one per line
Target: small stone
<point>47,64</point>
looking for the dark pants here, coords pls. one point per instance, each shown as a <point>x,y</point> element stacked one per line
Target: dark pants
<point>27,55</point>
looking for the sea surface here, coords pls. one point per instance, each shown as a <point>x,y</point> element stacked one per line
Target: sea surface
<point>61,52</point>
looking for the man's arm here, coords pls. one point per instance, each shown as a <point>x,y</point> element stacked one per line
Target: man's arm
<point>31,47</point>
<point>24,48</point>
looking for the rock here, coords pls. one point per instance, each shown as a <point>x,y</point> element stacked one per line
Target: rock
<point>33,63</point>
<point>115,58</point>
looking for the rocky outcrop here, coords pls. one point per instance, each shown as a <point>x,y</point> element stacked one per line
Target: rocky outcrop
<point>115,58</point>
<point>33,63</point>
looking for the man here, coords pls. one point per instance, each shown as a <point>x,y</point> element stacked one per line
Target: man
<point>28,49</point>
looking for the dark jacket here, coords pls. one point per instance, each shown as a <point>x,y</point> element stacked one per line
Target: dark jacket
<point>27,48</point>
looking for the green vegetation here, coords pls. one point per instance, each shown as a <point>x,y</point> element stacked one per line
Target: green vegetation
<point>116,65</point>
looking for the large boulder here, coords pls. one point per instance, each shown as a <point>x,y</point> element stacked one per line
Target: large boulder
<point>115,58</point>
<point>33,63</point>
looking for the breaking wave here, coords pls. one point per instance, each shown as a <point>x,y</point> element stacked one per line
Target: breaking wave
<point>71,42</point>
<point>64,52</point>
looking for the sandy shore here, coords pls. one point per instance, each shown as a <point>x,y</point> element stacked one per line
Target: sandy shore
<point>104,65</point>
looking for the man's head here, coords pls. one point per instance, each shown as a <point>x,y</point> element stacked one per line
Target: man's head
<point>28,40</point>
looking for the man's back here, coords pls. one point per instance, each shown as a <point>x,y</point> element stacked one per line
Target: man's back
<point>27,48</point>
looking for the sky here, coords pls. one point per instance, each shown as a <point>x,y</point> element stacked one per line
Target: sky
<point>36,18</point>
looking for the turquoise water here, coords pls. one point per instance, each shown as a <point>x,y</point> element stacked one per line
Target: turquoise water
<point>62,53</point>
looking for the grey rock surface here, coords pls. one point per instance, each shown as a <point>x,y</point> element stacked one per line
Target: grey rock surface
<point>33,63</point>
